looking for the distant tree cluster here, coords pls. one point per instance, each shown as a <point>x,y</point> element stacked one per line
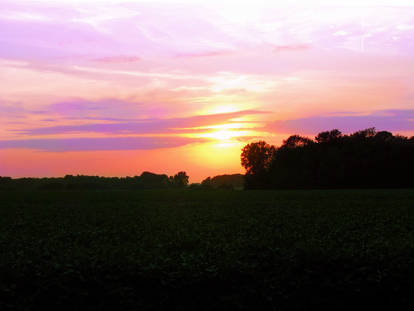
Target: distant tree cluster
<point>364,159</point>
<point>146,180</point>
<point>232,181</point>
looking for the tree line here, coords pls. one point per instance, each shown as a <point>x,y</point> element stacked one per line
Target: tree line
<point>225,182</point>
<point>364,159</point>
<point>146,180</point>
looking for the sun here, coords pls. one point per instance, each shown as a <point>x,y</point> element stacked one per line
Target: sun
<point>224,134</point>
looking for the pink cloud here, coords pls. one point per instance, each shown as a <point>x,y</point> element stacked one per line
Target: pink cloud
<point>294,47</point>
<point>118,59</point>
<point>142,126</point>
<point>390,120</point>
<point>205,54</point>
<point>98,144</point>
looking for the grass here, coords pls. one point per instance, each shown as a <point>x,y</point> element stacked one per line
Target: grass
<point>206,250</point>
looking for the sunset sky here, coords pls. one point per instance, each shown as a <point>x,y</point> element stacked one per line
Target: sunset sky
<point>115,88</point>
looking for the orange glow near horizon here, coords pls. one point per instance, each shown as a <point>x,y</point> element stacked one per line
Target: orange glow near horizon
<point>198,160</point>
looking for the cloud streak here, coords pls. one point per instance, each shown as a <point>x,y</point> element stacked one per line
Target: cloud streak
<point>118,59</point>
<point>391,120</point>
<point>290,48</point>
<point>98,144</point>
<point>144,126</point>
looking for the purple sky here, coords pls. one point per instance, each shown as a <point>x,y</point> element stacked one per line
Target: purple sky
<point>193,81</point>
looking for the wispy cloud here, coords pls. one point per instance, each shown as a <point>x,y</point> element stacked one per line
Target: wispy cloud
<point>152,30</point>
<point>293,47</point>
<point>104,109</point>
<point>143,126</point>
<point>118,59</point>
<point>213,53</point>
<point>98,144</point>
<point>391,120</point>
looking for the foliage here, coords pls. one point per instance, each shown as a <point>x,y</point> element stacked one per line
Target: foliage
<point>364,159</point>
<point>256,159</point>
<point>146,180</point>
<point>180,180</point>
<point>232,181</point>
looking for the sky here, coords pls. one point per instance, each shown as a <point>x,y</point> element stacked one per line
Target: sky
<point>115,88</point>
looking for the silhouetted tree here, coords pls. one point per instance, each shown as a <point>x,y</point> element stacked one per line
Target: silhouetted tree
<point>362,159</point>
<point>255,158</point>
<point>296,141</point>
<point>384,136</point>
<point>151,181</point>
<point>180,179</point>
<point>364,134</point>
<point>206,183</point>
<point>329,136</point>
<point>232,181</point>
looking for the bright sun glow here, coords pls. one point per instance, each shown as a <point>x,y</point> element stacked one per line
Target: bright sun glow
<point>224,135</point>
<point>218,154</point>
<point>229,126</point>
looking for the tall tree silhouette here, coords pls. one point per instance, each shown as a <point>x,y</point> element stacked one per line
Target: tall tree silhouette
<point>256,158</point>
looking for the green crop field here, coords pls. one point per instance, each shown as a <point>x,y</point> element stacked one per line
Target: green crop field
<point>206,250</point>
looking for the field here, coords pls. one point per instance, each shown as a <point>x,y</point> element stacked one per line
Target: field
<point>207,250</point>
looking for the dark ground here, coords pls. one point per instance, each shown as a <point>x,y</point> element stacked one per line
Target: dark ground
<point>207,250</point>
